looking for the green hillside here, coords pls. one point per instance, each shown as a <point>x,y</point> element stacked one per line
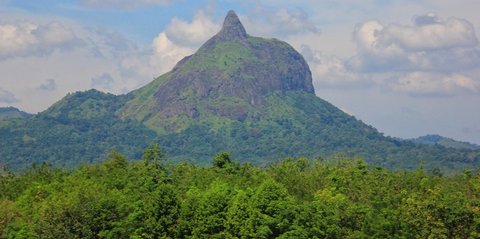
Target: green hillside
<point>446,142</point>
<point>82,127</point>
<point>299,124</point>
<point>12,113</point>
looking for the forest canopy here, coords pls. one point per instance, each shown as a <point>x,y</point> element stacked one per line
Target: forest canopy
<point>293,198</point>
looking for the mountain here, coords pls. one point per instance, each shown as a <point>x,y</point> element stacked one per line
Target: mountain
<point>12,113</point>
<point>230,77</point>
<point>445,142</point>
<point>250,96</point>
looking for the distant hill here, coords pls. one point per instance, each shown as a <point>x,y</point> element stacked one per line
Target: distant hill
<point>250,96</point>
<point>12,113</point>
<point>80,128</point>
<point>444,141</point>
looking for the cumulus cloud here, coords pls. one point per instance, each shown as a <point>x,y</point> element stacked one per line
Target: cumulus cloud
<point>26,39</point>
<point>193,33</point>
<point>331,71</point>
<point>159,58</point>
<point>430,43</point>
<point>430,57</point>
<point>278,22</point>
<point>292,21</point>
<point>430,32</point>
<point>432,84</point>
<point>105,43</point>
<point>49,85</point>
<point>168,50</point>
<point>122,4</point>
<point>7,97</point>
<point>180,38</point>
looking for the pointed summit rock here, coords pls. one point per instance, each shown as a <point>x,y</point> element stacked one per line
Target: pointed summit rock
<point>232,28</point>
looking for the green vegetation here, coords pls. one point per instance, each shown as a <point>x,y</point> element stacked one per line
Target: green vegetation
<point>446,142</point>
<point>297,124</point>
<point>227,57</point>
<point>12,113</point>
<point>293,198</point>
<point>82,127</point>
<point>141,100</point>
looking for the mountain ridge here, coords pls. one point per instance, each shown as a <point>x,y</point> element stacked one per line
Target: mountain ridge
<point>12,113</point>
<point>435,139</point>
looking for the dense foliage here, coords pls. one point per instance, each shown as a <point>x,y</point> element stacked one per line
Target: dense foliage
<point>12,113</point>
<point>293,198</point>
<point>82,127</point>
<point>446,142</point>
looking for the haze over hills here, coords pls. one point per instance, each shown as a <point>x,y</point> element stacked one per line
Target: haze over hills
<point>444,141</point>
<point>247,95</point>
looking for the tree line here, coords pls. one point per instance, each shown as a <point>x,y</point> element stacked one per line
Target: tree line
<point>291,198</point>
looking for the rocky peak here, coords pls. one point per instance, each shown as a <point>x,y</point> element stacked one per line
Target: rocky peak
<point>232,28</point>
<point>230,76</point>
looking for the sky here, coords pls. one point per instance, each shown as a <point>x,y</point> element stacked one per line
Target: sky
<point>408,68</point>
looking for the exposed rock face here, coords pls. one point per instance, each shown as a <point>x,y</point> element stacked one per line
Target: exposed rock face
<point>231,66</point>
<point>232,29</point>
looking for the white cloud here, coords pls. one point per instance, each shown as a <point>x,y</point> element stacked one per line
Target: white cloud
<point>431,84</point>
<point>7,97</point>
<point>430,43</point>
<point>330,71</point>
<point>278,22</point>
<point>430,32</point>
<point>122,4</point>
<point>180,38</point>
<point>431,57</point>
<point>167,53</point>
<point>106,43</point>
<point>193,33</point>
<point>25,39</point>
<point>49,85</point>
<point>292,21</point>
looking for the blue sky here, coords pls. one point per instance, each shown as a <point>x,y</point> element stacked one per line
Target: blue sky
<point>408,68</point>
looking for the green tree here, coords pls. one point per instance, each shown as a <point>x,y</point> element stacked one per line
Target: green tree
<point>275,205</point>
<point>222,160</point>
<point>153,155</point>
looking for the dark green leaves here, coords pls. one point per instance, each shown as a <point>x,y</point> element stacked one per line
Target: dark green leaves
<point>294,198</point>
